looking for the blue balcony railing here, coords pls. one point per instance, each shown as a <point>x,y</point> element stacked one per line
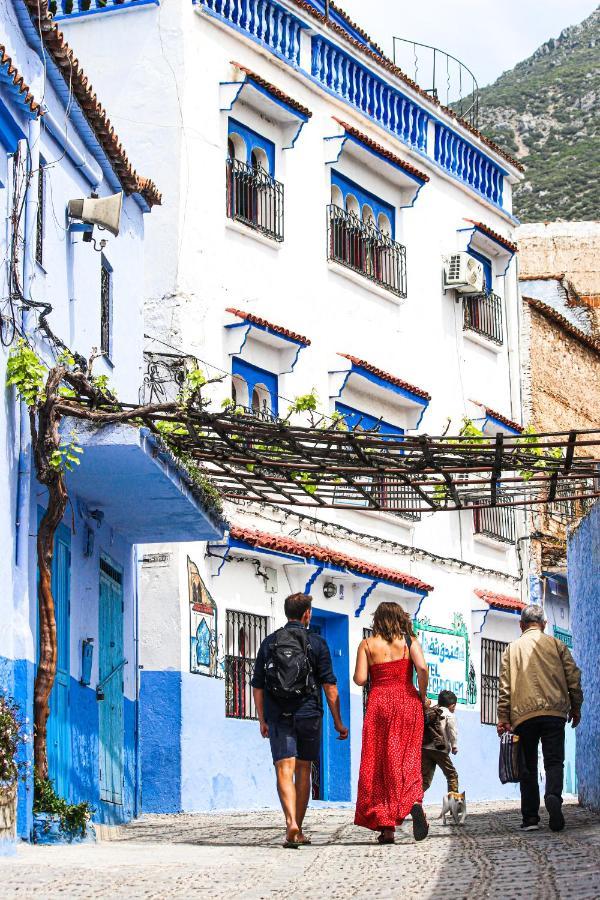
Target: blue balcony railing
<point>466,162</point>
<point>67,9</point>
<point>267,22</point>
<point>353,82</point>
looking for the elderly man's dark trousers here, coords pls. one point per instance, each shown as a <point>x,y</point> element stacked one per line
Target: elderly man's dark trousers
<point>551,731</point>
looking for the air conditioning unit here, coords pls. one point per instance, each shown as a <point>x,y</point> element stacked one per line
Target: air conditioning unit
<point>463,273</point>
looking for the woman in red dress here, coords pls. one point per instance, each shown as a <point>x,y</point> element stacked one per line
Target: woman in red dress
<point>390,786</point>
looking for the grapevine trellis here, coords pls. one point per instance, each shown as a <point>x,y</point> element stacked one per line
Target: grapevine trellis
<point>326,465</point>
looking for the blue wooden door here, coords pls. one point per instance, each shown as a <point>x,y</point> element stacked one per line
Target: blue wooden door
<point>111,662</point>
<point>59,733</point>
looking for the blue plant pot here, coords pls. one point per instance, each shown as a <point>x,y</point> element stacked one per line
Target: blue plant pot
<point>47,830</point>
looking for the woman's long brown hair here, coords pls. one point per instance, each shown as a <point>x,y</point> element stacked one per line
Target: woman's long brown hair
<point>390,621</point>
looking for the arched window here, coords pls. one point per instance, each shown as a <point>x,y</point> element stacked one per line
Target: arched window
<point>259,159</point>
<point>261,401</point>
<point>367,215</point>
<point>352,205</point>
<point>337,198</point>
<point>383,223</point>
<point>239,391</point>
<point>236,147</point>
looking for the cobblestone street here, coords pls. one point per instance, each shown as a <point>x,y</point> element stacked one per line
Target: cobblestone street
<point>240,854</point>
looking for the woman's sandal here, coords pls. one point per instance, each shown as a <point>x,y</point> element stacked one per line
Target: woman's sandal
<point>305,839</point>
<point>419,822</point>
<point>382,839</point>
<point>291,845</point>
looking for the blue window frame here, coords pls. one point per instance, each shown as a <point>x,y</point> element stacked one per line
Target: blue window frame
<point>257,378</point>
<point>253,141</point>
<point>487,268</point>
<point>364,198</point>
<point>354,418</point>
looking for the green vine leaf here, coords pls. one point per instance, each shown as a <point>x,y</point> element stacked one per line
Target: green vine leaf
<point>26,372</point>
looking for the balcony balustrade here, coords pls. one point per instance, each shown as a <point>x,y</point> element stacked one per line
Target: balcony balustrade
<point>483,314</point>
<point>363,248</point>
<point>497,522</point>
<point>255,198</point>
<point>343,75</point>
<point>470,165</point>
<point>265,21</point>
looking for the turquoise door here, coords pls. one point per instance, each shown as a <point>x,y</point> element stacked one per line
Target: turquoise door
<point>110,683</point>
<point>59,734</point>
<point>335,755</point>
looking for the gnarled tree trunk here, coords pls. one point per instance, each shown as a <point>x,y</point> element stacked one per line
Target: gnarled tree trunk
<point>46,440</point>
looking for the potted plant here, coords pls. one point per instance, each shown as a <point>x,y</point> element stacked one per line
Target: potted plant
<point>11,738</point>
<point>57,822</point>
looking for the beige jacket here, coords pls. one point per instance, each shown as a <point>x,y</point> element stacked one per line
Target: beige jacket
<point>538,677</point>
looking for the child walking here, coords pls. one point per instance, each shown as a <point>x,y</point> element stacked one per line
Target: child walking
<point>439,740</point>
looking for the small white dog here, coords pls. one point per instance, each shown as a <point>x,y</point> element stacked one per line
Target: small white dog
<point>454,807</point>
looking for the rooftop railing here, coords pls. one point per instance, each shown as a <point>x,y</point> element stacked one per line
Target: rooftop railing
<point>360,246</point>
<point>265,21</point>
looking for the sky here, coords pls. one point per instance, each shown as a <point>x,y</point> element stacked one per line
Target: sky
<point>486,35</point>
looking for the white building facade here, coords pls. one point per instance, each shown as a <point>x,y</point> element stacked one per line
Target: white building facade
<point>312,194</point>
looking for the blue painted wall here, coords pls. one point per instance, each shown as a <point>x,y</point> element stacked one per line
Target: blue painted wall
<point>583,567</point>
<point>160,741</point>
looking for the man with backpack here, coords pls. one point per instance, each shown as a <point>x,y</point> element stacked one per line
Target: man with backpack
<point>292,665</point>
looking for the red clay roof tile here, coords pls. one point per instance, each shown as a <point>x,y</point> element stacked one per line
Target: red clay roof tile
<point>505,421</point>
<point>500,239</point>
<point>284,544</point>
<point>271,89</point>
<point>77,81</point>
<point>363,364</point>
<point>263,323</point>
<point>378,148</point>
<point>500,601</point>
<point>18,82</point>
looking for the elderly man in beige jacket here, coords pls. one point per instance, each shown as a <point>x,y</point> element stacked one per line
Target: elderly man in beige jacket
<point>540,690</point>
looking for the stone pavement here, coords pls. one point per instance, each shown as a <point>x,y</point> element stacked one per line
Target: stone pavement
<point>240,855</point>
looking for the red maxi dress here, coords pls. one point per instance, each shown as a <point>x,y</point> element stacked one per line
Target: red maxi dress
<point>390,780</point>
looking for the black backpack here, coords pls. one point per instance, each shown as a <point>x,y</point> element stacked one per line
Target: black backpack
<point>288,670</point>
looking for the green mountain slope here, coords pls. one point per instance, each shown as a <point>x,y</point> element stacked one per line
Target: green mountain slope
<point>546,112</point>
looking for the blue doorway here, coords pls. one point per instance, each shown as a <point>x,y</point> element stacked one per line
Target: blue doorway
<point>334,770</point>
<point>58,735</point>
<point>110,685</point>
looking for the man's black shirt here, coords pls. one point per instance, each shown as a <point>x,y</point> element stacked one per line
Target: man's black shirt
<point>303,707</point>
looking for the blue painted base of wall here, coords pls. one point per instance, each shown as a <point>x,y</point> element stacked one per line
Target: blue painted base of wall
<point>17,676</point>
<point>583,568</point>
<point>160,741</point>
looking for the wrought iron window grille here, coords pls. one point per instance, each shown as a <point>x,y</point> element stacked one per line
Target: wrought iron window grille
<point>105,308</point>
<point>483,315</point>
<point>497,522</point>
<point>244,633</point>
<point>39,231</point>
<point>491,660</point>
<point>255,198</point>
<point>362,247</point>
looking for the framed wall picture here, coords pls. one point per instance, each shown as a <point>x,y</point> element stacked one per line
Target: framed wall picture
<point>203,625</point>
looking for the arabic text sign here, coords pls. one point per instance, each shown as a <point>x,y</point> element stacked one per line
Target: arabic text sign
<point>446,656</point>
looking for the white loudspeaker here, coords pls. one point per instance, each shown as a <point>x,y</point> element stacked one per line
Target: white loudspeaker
<point>103,211</point>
